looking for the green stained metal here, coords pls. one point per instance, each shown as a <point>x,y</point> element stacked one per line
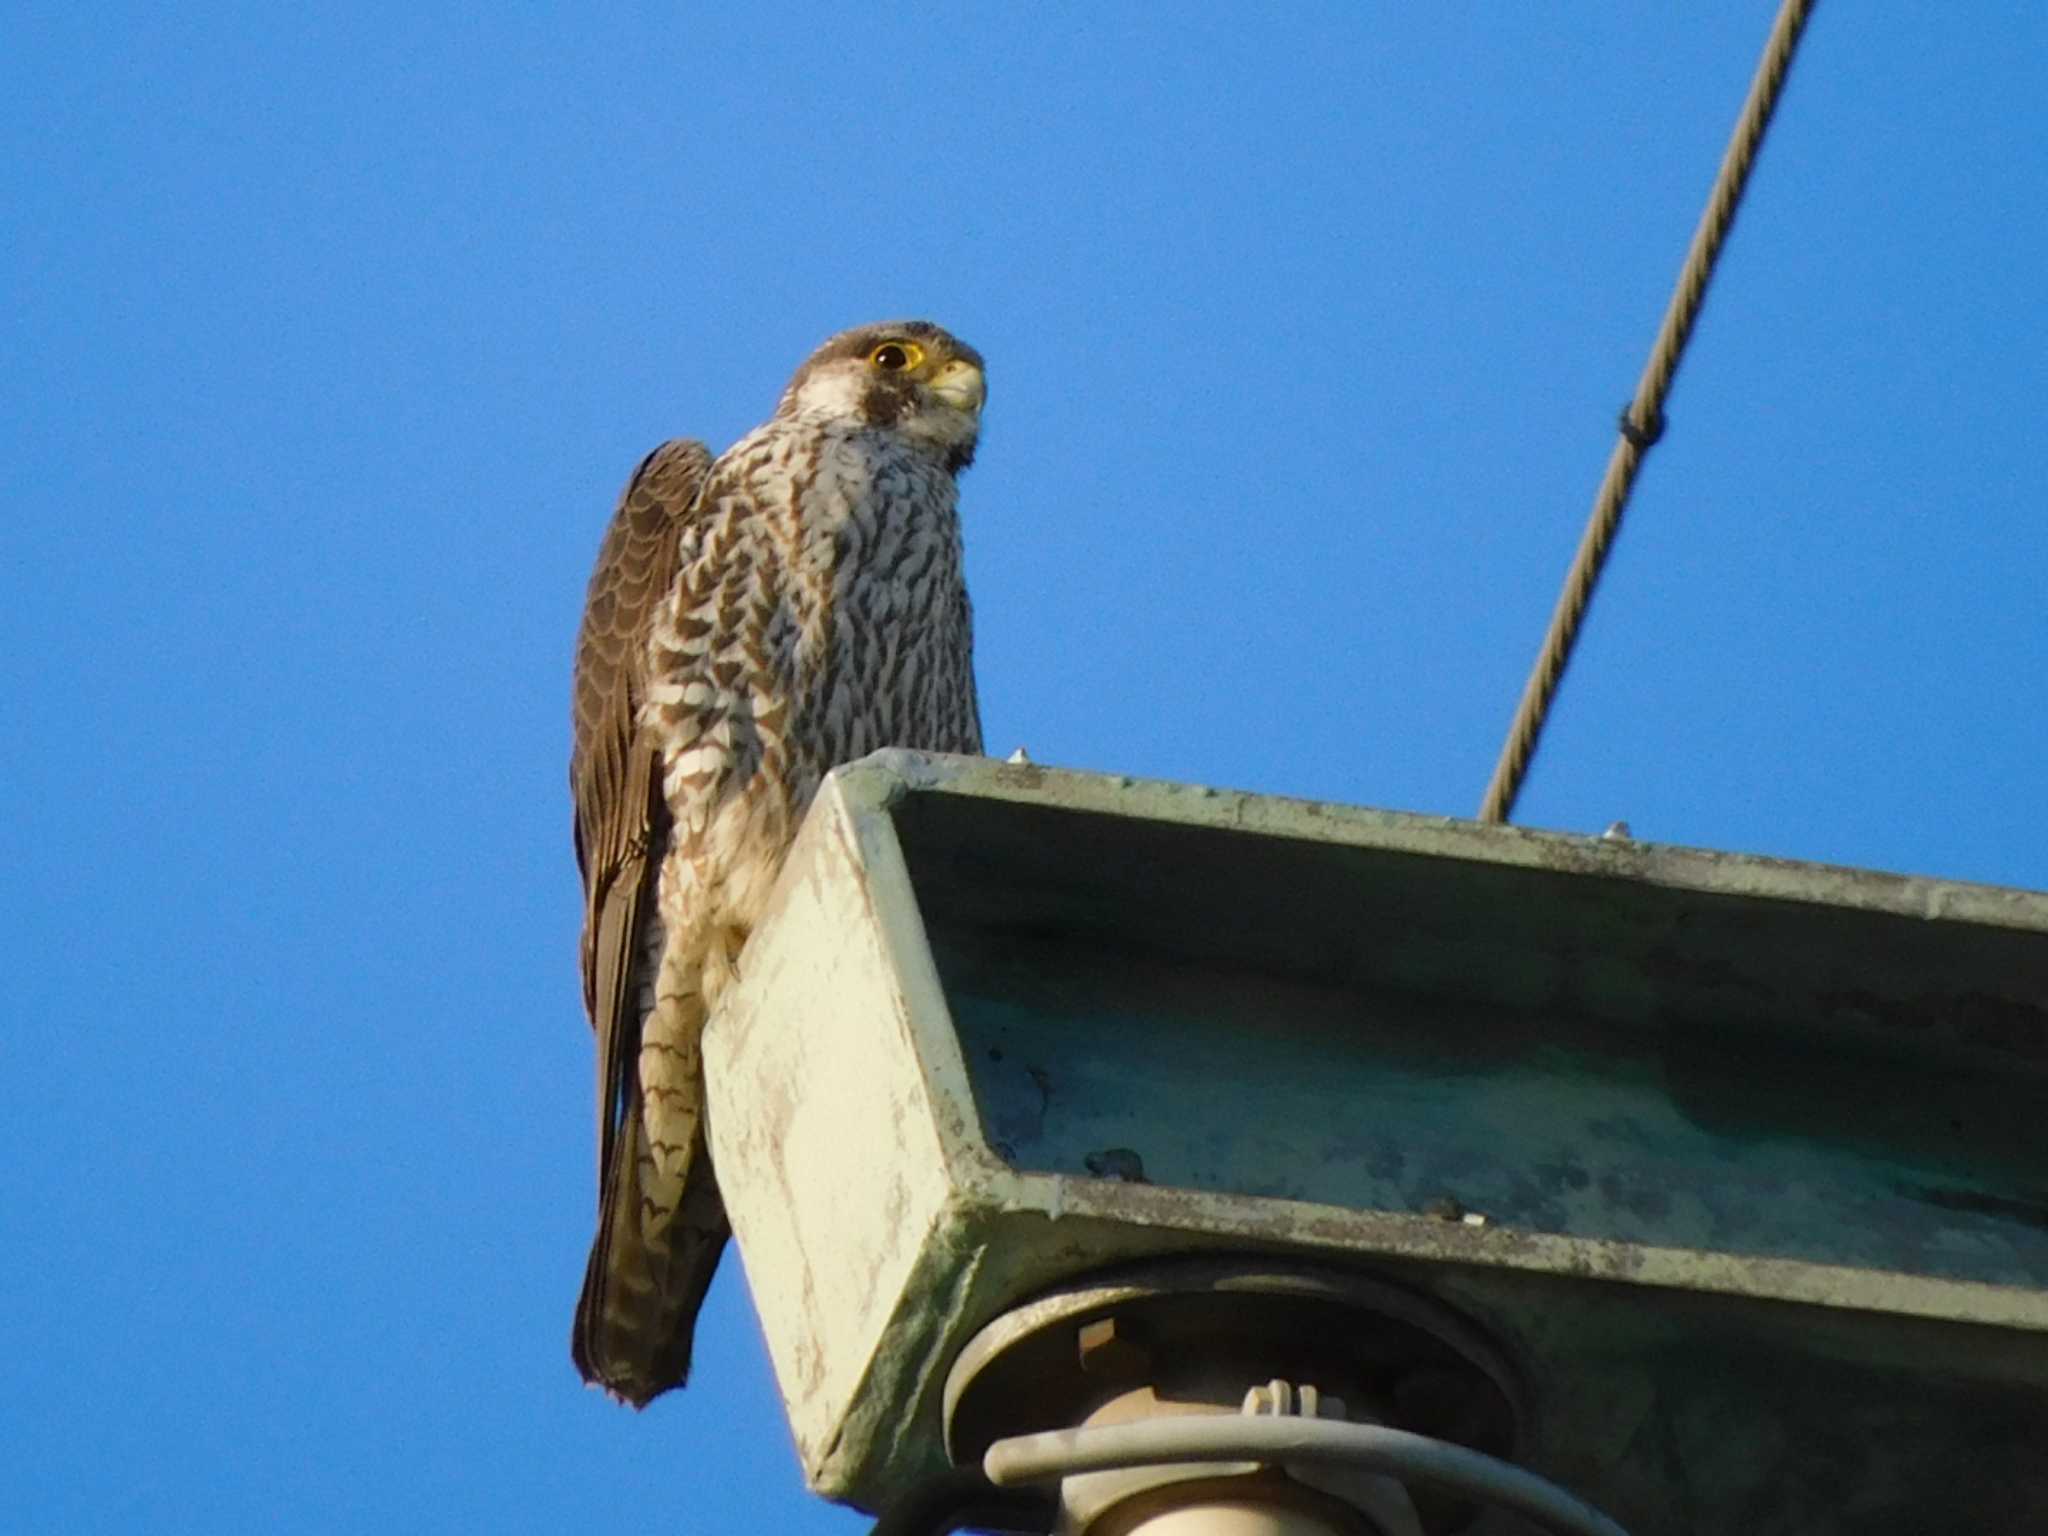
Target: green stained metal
<point>1739,1160</point>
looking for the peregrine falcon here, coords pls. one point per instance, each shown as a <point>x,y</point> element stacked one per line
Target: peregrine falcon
<point>754,620</point>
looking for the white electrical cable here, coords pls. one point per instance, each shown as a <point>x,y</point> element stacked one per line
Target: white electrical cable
<point>1230,1437</point>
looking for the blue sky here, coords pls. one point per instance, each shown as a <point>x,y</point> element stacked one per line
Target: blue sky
<point>330,334</point>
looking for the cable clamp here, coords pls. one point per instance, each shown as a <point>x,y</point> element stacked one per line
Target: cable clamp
<point>1642,437</point>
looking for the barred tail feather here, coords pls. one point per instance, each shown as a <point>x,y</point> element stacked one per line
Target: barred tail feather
<point>649,1269</point>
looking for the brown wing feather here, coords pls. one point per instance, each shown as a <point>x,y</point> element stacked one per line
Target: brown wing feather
<point>648,1270</point>
<point>621,820</point>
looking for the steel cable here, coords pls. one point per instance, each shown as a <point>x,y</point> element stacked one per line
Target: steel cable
<point>1642,423</point>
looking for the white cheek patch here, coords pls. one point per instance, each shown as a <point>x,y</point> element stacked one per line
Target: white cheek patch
<point>833,391</point>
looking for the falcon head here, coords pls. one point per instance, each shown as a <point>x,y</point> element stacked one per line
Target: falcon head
<point>906,377</point>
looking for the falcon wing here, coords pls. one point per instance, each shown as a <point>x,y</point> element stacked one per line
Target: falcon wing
<point>614,772</point>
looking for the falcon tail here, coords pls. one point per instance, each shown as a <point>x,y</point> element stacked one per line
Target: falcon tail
<point>648,1272</point>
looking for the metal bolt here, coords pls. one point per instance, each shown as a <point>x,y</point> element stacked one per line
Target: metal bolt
<point>1284,1398</point>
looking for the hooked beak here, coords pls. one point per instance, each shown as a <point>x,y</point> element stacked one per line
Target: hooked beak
<point>960,384</point>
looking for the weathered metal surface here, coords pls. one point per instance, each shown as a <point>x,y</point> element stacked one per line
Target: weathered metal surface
<point>1738,1159</point>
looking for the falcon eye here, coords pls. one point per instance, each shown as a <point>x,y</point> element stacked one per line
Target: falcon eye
<point>895,356</point>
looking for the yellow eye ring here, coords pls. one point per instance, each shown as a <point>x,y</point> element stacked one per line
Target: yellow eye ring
<point>896,356</point>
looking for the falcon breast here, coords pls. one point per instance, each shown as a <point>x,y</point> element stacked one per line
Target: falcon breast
<point>754,621</point>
